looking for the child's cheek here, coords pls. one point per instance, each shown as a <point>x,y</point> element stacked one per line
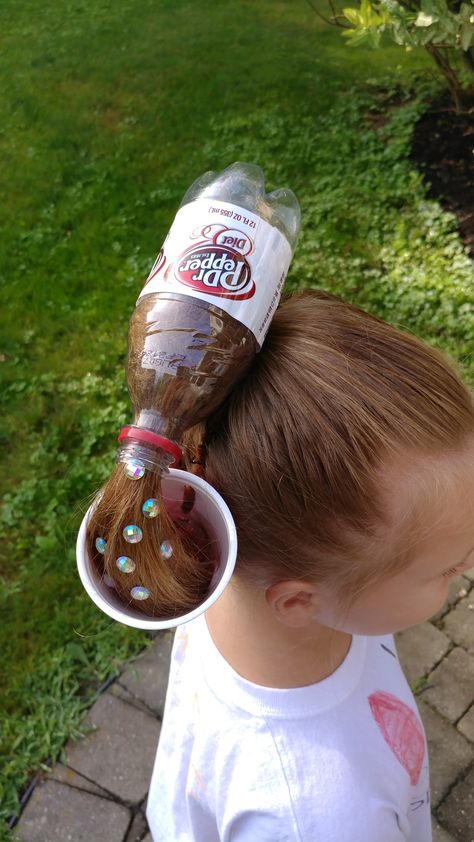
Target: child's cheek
<point>440,595</point>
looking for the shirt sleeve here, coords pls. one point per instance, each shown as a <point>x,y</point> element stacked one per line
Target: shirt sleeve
<point>259,799</point>
<point>261,826</point>
<point>250,827</point>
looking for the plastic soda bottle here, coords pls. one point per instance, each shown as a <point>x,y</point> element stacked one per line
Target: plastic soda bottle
<point>206,306</point>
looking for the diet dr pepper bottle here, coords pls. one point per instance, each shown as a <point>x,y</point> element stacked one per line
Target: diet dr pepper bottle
<point>210,297</point>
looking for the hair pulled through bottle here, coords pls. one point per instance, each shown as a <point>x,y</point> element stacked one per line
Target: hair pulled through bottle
<point>153,550</point>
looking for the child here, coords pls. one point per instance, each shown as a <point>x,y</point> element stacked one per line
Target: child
<point>346,457</point>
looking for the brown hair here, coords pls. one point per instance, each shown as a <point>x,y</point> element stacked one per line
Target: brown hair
<point>177,584</point>
<point>301,451</point>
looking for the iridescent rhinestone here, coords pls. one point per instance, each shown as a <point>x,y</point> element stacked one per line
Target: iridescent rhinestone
<point>133,534</point>
<point>134,469</point>
<point>166,549</point>
<point>140,592</point>
<point>125,564</point>
<point>109,581</point>
<point>151,507</point>
<point>100,544</point>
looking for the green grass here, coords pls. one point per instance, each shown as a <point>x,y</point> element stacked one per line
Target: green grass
<point>109,111</point>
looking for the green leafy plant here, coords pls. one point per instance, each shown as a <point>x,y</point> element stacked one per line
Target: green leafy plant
<point>445,28</point>
<point>372,237</point>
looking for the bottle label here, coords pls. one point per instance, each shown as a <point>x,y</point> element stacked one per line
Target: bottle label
<point>225,255</point>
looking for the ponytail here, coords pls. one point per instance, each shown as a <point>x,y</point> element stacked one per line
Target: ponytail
<point>299,451</point>
<point>164,565</point>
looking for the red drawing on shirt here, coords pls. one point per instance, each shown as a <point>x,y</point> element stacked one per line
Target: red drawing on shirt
<point>401,730</point>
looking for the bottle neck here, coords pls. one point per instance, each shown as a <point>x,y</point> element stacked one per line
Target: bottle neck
<point>152,458</point>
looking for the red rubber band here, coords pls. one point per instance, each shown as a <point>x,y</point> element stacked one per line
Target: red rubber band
<point>167,445</point>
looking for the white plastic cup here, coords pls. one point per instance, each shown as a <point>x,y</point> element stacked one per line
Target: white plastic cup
<point>211,509</point>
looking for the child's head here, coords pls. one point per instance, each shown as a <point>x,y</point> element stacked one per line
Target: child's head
<point>347,459</point>
<point>337,455</point>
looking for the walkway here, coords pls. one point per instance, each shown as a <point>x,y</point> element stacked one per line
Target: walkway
<point>99,793</point>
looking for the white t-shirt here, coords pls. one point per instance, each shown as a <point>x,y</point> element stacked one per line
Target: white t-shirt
<point>342,760</point>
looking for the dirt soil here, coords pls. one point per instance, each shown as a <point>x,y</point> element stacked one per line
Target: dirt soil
<point>443,150</point>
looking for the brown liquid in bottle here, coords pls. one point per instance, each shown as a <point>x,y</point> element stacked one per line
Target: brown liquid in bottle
<point>232,243</point>
<point>185,356</point>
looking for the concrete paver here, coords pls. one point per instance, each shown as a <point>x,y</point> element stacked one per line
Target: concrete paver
<point>120,753</point>
<point>457,588</point>
<point>457,811</point>
<point>466,724</point>
<point>138,828</point>
<point>147,677</point>
<point>420,649</point>
<point>450,686</point>
<point>440,834</point>
<point>64,775</point>
<point>58,813</point>
<point>120,692</point>
<point>450,754</point>
<point>459,624</point>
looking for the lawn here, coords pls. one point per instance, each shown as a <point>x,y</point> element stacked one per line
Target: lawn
<point>109,111</point>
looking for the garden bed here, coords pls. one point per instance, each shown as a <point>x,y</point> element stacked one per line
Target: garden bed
<point>442,149</point>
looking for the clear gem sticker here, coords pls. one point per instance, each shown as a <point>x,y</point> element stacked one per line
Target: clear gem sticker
<point>225,255</point>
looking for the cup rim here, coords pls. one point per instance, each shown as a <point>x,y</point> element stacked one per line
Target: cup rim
<point>83,563</point>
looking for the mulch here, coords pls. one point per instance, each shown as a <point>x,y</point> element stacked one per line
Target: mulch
<point>443,150</point>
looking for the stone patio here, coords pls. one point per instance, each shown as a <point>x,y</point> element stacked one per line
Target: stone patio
<point>99,794</point>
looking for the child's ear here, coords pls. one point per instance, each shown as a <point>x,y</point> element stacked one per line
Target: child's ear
<point>293,602</point>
